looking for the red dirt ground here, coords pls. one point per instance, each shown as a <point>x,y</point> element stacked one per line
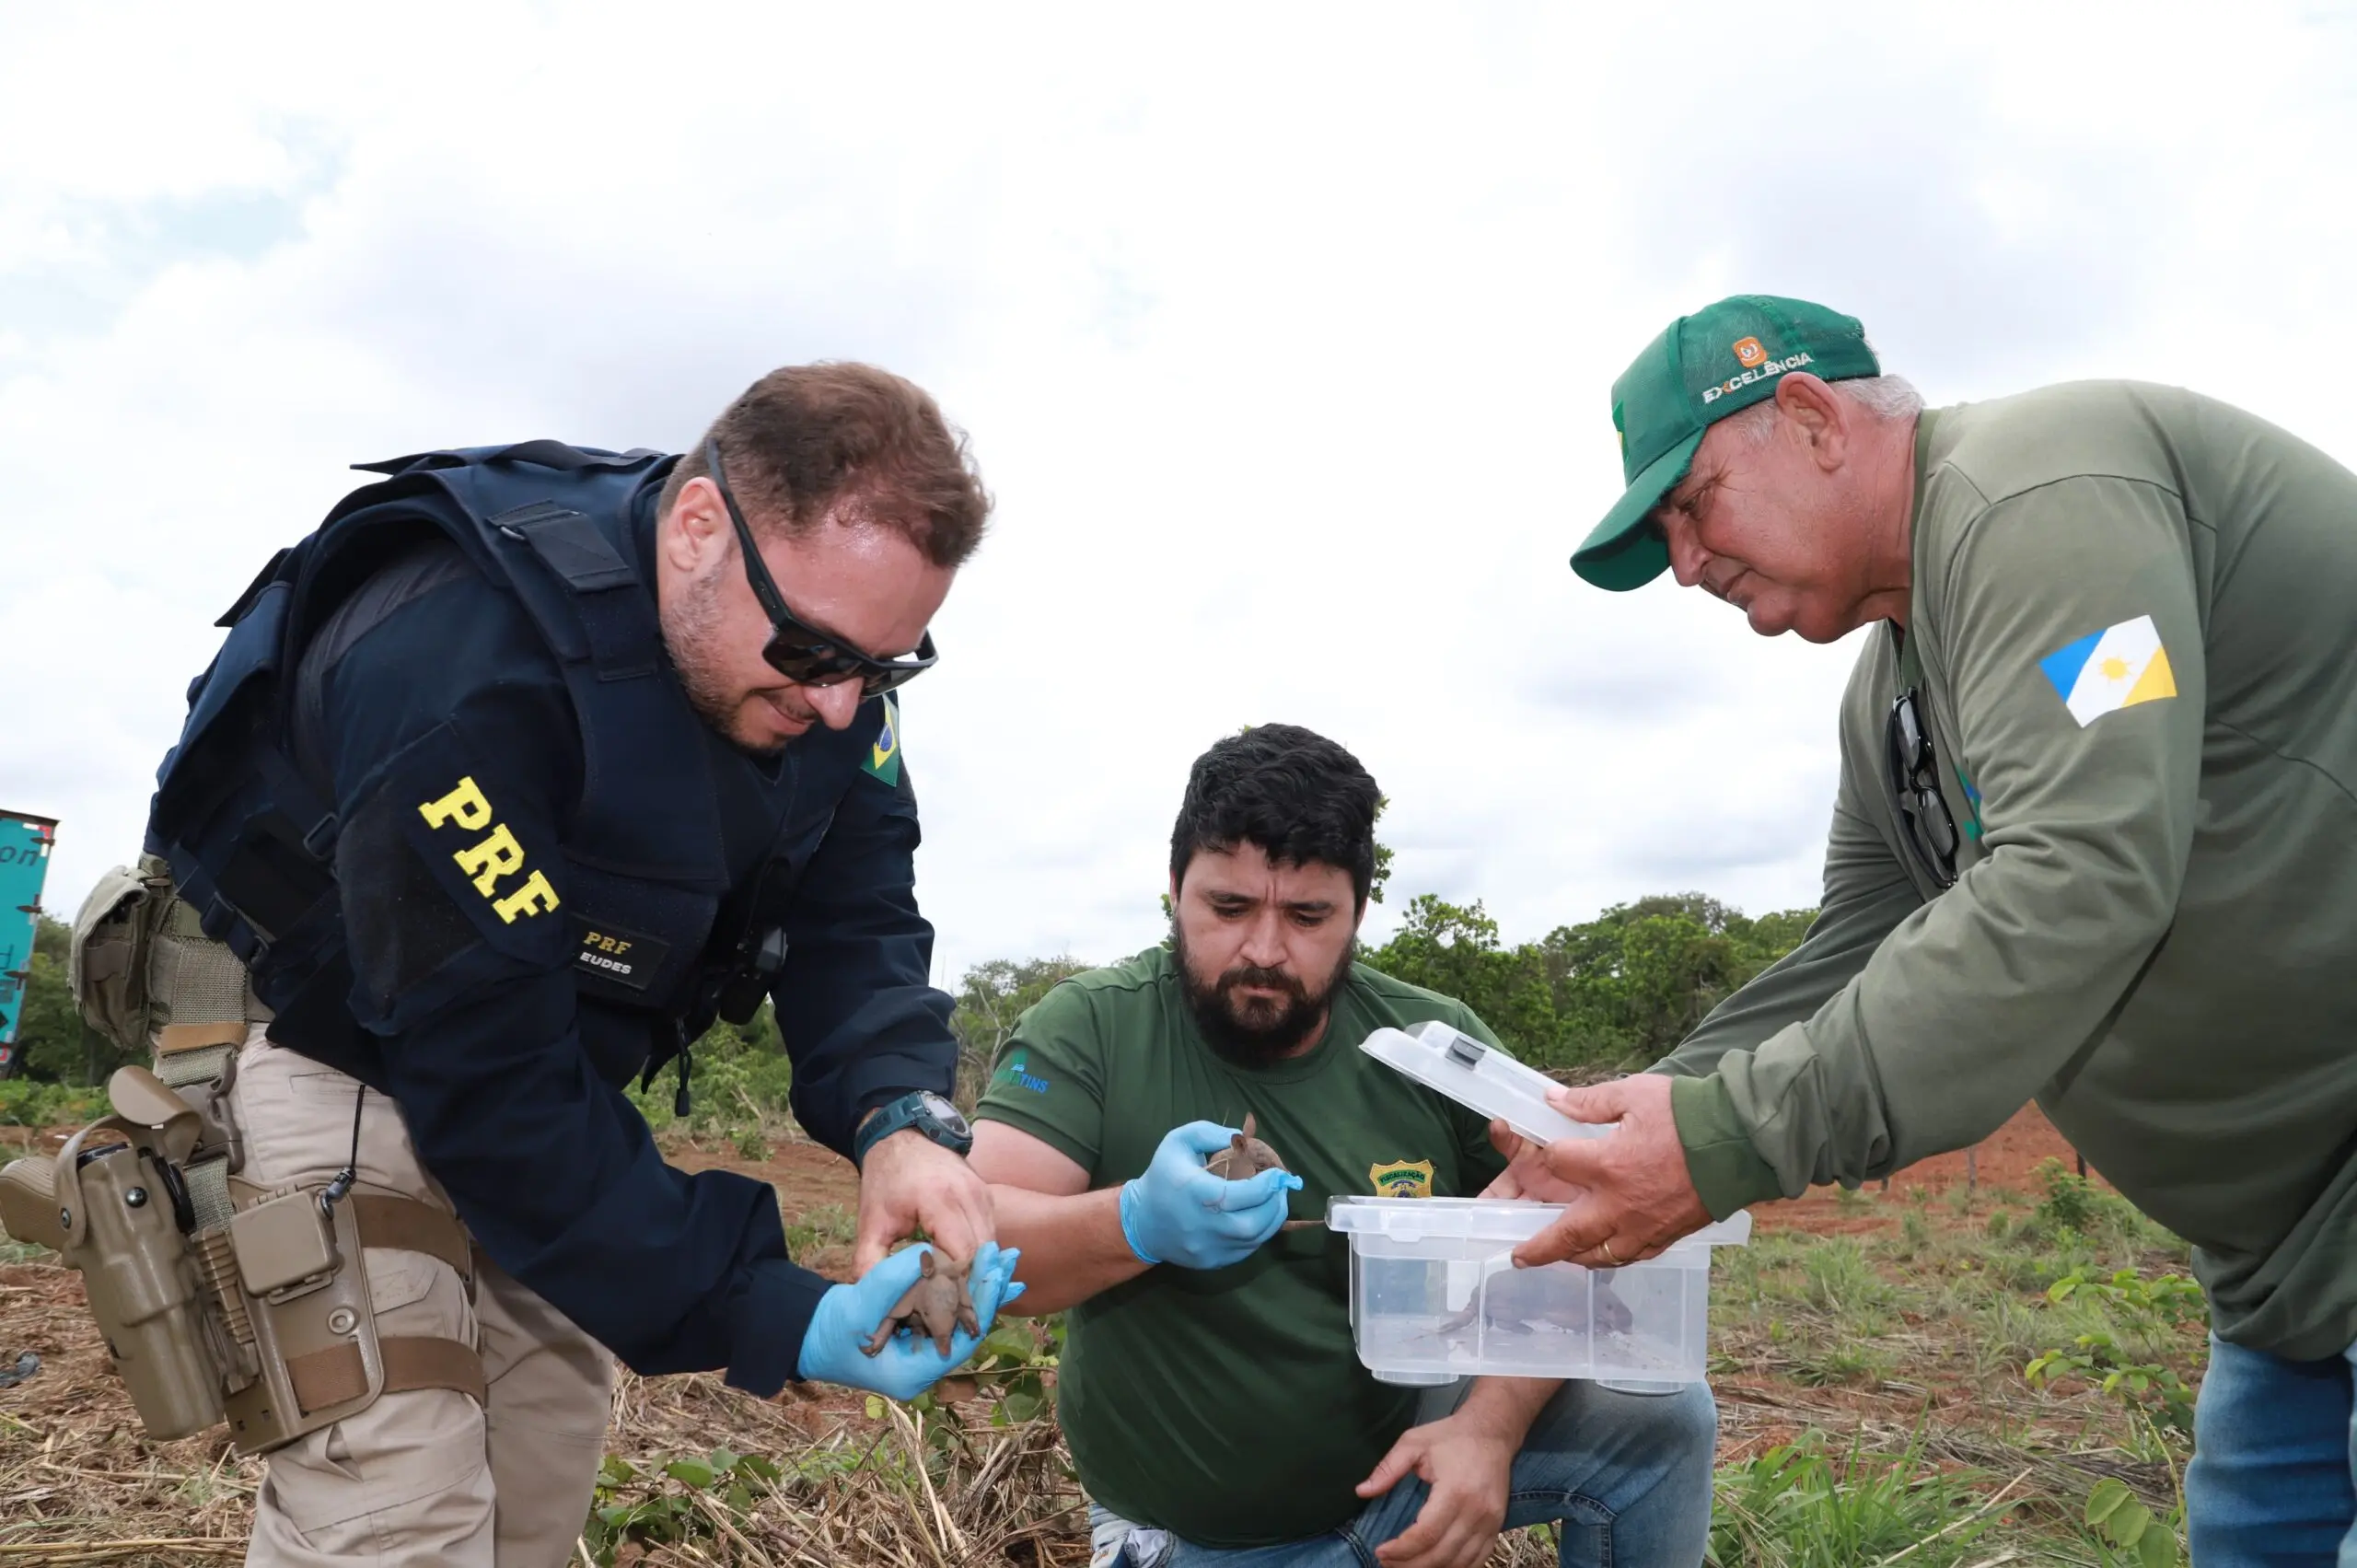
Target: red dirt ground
<point>807,1176</point>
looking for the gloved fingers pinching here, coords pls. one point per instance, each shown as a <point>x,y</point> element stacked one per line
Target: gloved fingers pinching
<point>1202,1137</point>
<point>1251,1193</point>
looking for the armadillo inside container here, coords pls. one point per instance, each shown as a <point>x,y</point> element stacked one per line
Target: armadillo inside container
<point>1434,1296</point>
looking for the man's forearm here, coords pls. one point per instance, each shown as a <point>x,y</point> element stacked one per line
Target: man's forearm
<point>1507,1406</point>
<point>1072,1248</point>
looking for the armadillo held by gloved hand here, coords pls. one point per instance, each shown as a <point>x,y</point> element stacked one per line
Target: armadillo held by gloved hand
<point>1245,1157</point>
<point>936,1306</point>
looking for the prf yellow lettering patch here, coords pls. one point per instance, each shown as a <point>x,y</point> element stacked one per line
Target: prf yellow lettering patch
<point>493,858</point>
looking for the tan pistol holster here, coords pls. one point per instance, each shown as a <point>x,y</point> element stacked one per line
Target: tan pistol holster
<point>218,1301</point>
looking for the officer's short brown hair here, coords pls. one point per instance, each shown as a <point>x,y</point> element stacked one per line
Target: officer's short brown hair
<point>850,441</point>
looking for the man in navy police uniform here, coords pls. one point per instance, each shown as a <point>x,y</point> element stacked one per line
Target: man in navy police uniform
<point>507,780</point>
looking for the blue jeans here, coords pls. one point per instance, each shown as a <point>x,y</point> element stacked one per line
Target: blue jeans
<point>1628,1476</point>
<point>2273,1453</point>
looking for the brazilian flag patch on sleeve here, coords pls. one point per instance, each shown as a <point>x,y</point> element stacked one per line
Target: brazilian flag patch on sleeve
<point>884,751</point>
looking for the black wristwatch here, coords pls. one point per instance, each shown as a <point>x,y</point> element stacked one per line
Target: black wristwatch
<point>922,1111</point>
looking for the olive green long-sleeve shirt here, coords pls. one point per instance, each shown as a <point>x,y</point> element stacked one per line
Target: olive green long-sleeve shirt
<point>2135,611</point>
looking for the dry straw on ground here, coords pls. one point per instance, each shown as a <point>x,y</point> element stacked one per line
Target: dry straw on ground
<point>79,1484</point>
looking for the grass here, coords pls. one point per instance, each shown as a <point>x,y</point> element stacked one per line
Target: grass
<point>829,1224</point>
<point>1806,1505</point>
<point>1872,1389</point>
<point>1873,1411</point>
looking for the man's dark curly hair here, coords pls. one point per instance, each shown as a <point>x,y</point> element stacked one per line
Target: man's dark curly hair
<point>1293,792</point>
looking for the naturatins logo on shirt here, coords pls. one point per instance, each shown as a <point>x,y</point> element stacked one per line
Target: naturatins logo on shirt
<point>1401,1178</point>
<point>1017,1071</point>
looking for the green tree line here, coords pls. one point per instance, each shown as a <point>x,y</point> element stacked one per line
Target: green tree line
<point>1615,993</point>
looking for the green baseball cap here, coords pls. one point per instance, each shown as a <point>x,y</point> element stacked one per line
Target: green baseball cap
<point>1703,367</point>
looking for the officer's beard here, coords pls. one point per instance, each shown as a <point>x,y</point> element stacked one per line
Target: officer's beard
<point>692,633</point>
<point>1254,1032</point>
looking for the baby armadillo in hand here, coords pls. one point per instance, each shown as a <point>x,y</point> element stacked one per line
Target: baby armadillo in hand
<point>938,1304</point>
<point>1515,1301</point>
<point>1246,1156</point>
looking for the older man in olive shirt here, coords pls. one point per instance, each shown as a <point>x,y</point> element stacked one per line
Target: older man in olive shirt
<point>2096,840</point>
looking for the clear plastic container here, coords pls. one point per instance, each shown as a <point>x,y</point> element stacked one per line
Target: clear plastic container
<point>1434,1296</point>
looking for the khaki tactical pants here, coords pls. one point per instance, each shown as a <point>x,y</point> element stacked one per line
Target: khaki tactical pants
<point>425,1477</point>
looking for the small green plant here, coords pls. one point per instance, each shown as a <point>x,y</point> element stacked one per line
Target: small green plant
<point>2080,1219</point>
<point>2150,1310</point>
<point>2143,1538</point>
<point>683,1501</point>
<point>2071,1199</point>
<point>751,1145</point>
<point>1852,1200</point>
<point>1915,1231</point>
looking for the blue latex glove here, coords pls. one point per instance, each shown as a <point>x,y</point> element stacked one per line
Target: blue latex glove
<point>1179,1213</point>
<point>847,1316</point>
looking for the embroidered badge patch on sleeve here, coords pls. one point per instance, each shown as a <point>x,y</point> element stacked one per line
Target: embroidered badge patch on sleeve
<point>884,751</point>
<point>2116,668</point>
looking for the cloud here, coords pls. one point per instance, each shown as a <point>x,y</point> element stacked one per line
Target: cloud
<point>1283,336</point>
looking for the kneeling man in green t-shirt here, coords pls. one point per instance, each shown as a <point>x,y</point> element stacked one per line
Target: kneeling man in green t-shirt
<point>1215,1406</point>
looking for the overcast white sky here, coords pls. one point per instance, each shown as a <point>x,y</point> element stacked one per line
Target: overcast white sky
<point>1283,335</point>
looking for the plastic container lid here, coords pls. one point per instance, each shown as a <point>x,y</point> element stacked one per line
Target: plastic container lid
<point>1504,1221</point>
<point>1476,1076</point>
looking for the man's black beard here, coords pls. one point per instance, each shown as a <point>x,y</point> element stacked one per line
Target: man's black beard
<point>1262,1033</point>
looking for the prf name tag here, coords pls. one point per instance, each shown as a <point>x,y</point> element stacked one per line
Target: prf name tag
<point>491,859</point>
<point>623,956</point>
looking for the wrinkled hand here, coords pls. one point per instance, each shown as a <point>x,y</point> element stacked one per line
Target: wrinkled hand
<point>1468,1467</point>
<point>1637,1196</point>
<point>1526,1175</point>
<point>911,1181</point>
<point>1179,1213</point>
<point>847,1316</point>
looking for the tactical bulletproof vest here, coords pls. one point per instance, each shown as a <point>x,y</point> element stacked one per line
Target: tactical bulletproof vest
<point>251,839</point>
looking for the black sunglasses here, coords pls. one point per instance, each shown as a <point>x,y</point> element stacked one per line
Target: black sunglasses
<point>797,650</point>
<point>1915,779</point>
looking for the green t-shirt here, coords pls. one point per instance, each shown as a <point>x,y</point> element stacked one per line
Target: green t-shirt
<point>1228,1405</point>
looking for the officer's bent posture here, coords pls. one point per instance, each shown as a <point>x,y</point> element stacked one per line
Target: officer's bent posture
<point>506,782</point>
